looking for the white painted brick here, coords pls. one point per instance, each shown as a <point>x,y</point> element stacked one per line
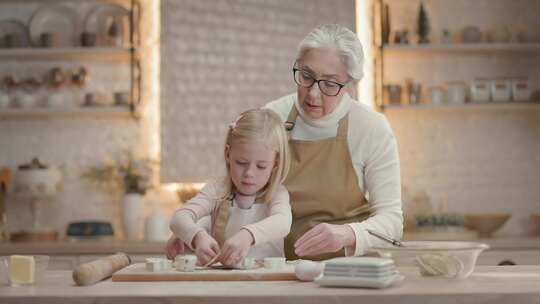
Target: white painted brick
<point>224,57</point>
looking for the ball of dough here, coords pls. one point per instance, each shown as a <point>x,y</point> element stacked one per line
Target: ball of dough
<point>308,270</point>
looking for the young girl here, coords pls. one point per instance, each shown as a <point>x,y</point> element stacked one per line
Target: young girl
<point>249,208</point>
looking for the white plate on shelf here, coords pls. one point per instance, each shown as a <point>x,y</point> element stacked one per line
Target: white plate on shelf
<point>58,19</point>
<point>99,19</point>
<point>14,27</point>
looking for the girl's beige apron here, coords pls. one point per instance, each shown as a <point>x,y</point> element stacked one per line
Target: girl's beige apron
<point>322,184</point>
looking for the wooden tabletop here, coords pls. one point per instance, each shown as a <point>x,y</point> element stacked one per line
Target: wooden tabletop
<point>488,284</point>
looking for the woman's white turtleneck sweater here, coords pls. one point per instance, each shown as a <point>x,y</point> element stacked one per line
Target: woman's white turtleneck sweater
<point>374,153</point>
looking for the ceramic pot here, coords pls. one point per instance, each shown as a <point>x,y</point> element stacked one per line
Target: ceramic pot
<point>133,216</point>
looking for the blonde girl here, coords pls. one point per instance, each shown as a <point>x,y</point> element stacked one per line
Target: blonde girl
<point>249,208</point>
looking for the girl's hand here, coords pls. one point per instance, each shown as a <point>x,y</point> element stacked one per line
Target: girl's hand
<point>174,247</point>
<point>236,248</point>
<point>206,248</point>
<point>324,238</point>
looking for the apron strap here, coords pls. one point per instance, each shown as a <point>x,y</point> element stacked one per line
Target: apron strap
<point>343,124</point>
<point>291,120</point>
<point>343,127</point>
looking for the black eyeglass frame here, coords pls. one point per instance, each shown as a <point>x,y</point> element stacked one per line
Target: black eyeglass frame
<point>318,81</point>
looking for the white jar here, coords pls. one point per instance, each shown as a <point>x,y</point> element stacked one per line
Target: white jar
<point>26,100</point>
<point>437,95</point>
<point>133,216</point>
<point>480,90</point>
<point>500,90</point>
<point>521,91</point>
<point>456,92</point>
<point>55,100</point>
<point>4,100</point>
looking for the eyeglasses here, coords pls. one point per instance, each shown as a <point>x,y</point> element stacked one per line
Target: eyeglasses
<point>305,79</point>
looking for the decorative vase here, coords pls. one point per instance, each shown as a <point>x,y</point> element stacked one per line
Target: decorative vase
<point>133,216</point>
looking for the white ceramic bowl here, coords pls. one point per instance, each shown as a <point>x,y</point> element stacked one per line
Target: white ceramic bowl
<point>436,258</point>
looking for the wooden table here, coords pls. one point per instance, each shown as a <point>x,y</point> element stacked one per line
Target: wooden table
<point>488,284</point>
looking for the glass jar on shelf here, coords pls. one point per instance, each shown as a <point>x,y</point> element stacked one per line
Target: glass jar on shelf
<point>500,90</point>
<point>480,90</point>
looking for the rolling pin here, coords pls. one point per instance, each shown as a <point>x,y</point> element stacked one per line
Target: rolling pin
<point>95,271</point>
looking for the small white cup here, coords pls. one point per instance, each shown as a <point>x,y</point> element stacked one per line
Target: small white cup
<point>274,263</point>
<point>185,262</point>
<point>247,263</point>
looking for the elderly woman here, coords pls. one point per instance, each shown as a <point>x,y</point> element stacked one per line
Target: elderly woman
<point>344,178</point>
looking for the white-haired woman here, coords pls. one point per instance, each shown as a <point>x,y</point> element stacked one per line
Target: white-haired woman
<point>344,177</point>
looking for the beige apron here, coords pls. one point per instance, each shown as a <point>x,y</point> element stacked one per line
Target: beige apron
<point>322,184</point>
<point>222,212</point>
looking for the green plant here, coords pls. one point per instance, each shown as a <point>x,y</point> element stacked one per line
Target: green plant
<point>127,175</point>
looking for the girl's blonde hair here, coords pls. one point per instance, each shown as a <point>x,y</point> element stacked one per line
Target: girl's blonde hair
<point>261,126</point>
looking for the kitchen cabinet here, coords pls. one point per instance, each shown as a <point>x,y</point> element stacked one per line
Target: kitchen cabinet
<point>126,54</point>
<point>441,62</point>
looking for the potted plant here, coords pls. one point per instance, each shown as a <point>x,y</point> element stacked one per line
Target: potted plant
<point>130,178</point>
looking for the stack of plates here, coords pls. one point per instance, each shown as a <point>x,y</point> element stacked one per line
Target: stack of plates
<point>369,272</point>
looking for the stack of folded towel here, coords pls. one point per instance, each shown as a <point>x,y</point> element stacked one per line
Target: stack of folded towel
<point>369,272</point>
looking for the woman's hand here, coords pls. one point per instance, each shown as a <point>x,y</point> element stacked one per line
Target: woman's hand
<point>236,248</point>
<point>324,238</point>
<point>174,247</point>
<point>206,248</point>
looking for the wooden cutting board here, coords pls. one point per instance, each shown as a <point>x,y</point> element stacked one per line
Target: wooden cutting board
<point>138,273</point>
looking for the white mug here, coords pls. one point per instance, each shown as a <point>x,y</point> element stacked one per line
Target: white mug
<point>185,262</point>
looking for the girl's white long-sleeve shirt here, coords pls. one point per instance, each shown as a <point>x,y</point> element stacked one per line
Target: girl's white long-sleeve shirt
<point>268,222</point>
<point>374,153</point>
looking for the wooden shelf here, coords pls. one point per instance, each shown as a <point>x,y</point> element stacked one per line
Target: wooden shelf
<point>473,106</point>
<point>75,53</point>
<point>465,47</point>
<point>121,2</point>
<point>121,112</point>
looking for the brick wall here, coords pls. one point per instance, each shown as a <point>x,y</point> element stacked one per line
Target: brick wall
<point>485,160</point>
<point>220,58</point>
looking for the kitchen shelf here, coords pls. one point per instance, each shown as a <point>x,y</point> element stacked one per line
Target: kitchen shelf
<point>121,112</point>
<point>467,106</point>
<point>465,47</point>
<point>75,53</point>
<point>122,2</point>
